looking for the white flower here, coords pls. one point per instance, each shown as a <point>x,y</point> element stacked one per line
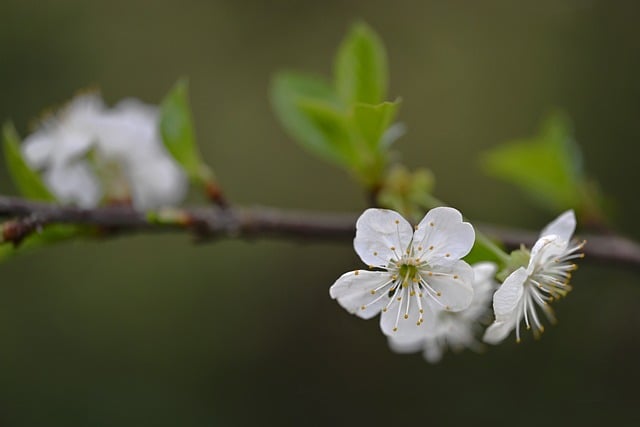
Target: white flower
<point>87,153</point>
<point>455,330</point>
<point>545,278</point>
<point>418,267</point>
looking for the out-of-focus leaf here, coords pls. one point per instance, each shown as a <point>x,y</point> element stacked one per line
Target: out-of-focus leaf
<point>49,235</point>
<point>26,179</point>
<point>548,167</point>
<point>292,95</point>
<point>374,120</point>
<point>480,252</point>
<point>333,126</point>
<point>178,136</point>
<point>360,67</point>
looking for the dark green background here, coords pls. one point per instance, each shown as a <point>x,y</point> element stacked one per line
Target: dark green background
<point>156,331</point>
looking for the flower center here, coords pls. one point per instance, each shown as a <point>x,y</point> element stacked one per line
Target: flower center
<point>408,273</point>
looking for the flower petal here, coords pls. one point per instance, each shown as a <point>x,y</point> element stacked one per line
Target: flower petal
<point>442,237</point>
<point>405,345</point>
<point>37,149</point>
<point>394,323</point>
<point>545,249</point>
<point>509,295</point>
<point>453,284</point>
<point>563,226</point>
<point>498,331</point>
<point>433,350</point>
<point>353,290</point>
<point>75,184</point>
<point>381,235</point>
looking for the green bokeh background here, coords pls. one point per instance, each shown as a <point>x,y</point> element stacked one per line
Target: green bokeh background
<point>153,330</point>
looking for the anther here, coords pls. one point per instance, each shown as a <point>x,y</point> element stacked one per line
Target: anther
<point>406,316</point>
<point>397,222</point>
<point>431,224</point>
<point>355,273</point>
<point>431,247</point>
<point>447,255</point>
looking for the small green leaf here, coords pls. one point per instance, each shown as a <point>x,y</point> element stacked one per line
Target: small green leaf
<point>298,101</point>
<point>548,167</point>
<point>333,126</point>
<point>374,120</point>
<point>50,235</point>
<point>26,179</point>
<point>178,136</point>
<point>360,67</point>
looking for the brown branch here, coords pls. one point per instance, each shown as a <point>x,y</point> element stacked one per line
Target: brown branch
<point>207,223</point>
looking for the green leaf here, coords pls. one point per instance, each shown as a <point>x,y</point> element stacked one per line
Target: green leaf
<point>481,252</point>
<point>26,179</point>
<point>178,136</point>
<point>360,67</point>
<point>333,125</point>
<point>374,120</point>
<point>548,167</point>
<point>51,234</point>
<point>303,104</point>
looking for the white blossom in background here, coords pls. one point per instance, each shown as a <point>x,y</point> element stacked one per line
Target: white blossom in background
<point>419,270</point>
<point>88,154</point>
<point>545,279</point>
<point>456,330</point>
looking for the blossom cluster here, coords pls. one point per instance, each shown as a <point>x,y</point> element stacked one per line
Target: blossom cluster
<point>430,299</point>
<point>88,154</point>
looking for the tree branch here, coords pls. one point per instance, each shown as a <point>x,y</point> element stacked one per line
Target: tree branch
<point>207,223</point>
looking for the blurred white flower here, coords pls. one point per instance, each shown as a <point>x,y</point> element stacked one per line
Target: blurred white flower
<point>88,153</point>
<point>421,270</point>
<point>545,278</point>
<point>455,330</point>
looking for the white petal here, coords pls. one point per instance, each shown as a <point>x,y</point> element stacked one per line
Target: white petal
<point>509,294</point>
<point>381,235</point>
<point>456,293</point>
<point>442,237</point>
<point>563,226</point>
<point>546,248</point>
<point>394,323</point>
<point>37,149</point>
<point>433,350</point>
<point>498,331</point>
<point>404,345</point>
<point>74,183</point>
<point>484,285</point>
<point>484,272</point>
<point>157,183</point>
<point>353,291</point>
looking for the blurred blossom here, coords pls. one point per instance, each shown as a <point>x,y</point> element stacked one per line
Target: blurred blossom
<point>455,330</point>
<point>89,154</point>
<point>421,270</point>
<point>544,279</point>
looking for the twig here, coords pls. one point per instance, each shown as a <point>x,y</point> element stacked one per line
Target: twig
<point>208,223</point>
